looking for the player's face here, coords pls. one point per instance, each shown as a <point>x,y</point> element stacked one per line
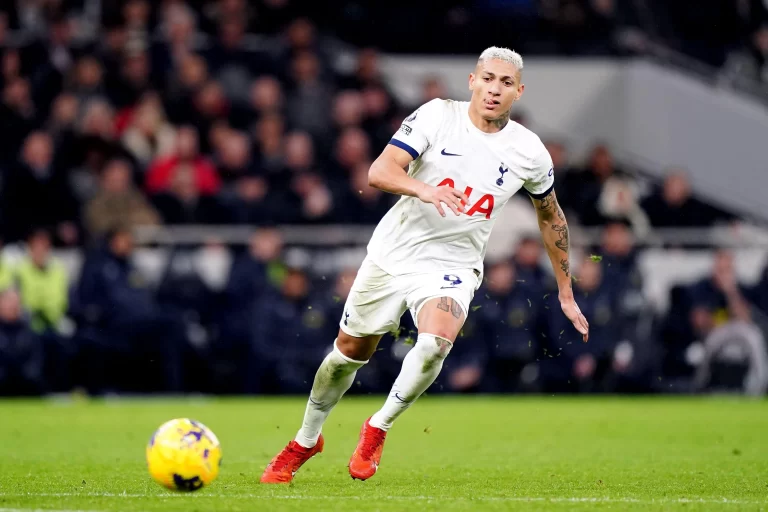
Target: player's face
<point>495,86</point>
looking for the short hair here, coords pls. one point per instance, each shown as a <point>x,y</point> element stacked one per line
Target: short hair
<point>503,54</point>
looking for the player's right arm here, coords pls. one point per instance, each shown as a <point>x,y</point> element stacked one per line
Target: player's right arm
<point>387,173</point>
<point>417,133</point>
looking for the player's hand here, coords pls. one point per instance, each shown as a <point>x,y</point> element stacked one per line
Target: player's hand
<point>454,199</point>
<point>572,311</point>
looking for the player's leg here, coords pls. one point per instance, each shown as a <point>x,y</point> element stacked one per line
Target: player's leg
<point>439,317</point>
<point>334,377</point>
<point>374,306</point>
<point>439,322</point>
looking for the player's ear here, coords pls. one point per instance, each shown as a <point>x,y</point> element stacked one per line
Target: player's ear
<point>471,81</point>
<point>520,91</point>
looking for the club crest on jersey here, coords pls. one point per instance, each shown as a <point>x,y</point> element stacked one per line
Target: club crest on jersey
<point>502,170</point>
<point>412,117</point>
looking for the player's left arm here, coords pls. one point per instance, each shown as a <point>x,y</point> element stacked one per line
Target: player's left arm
<point>540,184</point>
<point>556,237</point>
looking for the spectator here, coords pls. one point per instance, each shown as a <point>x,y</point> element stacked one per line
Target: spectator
<point>179,40</point>
<point>266,95</point>
<point>348,110</point>
<point>49,58</point>
<point>619,258</point>
<point>289,317</point>
<point>269,143</point>
<point>258,271</point>
<point>367,72</point>
<point>352,149</point>
<point>757,294</point>
<point>36,193</point>
<point>255,275</point>
<point>123,326</point>
<point>17,118</point>
<point>43,287</point>
<point>432,88</point>
<point>136,14</point>
<point>587,189</point>
<point>61,124</point>
<point>310,200</point>
<point>148,135</point>
<point>719,298</point>
<point>182,203</point>
<point>92,146</point>
<point>723,316</point>
<point>674,205</point>
<point>618,201</point>
<point>3,29</point>
<point>87,80</point>
<point>759,51</point>
<point>565,174</point>
<point>21,351</point>
<point>6,271</point>
<point>360,203</point>
<point>586,367</point>
<point>379,107</point>
<point>301,36</point>
<point>118,203</point>
<point>310,96</point>
<point>298,157</point>
<point>527,260</point>
<point>161,173</point>
<point>227,9</point>
<point>234,60</point>
<point>509,323</point>
<point>252,203</point>
<point>209,106</point>
<point>233,157</point>
<point>11,65</point>
<point>111,47</point>
<point>187,77</point>
<point>133,80</point>
<point>42,283</point>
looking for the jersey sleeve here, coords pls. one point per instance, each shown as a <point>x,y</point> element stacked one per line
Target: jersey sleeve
<point>541,179</point>
<point>419,130</point>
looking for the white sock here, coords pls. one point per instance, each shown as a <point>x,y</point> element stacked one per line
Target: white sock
<point>421,367</point>
<point>334,377</point>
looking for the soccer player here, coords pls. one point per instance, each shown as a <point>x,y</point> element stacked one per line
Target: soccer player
<point>464,161</point>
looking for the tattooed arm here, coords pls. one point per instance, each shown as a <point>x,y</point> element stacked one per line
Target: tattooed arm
<point>554,232</point>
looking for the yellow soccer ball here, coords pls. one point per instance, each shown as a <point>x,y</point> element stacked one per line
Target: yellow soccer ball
<point>183,455</point>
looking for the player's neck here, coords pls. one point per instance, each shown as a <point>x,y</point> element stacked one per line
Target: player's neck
<point>488,125</point>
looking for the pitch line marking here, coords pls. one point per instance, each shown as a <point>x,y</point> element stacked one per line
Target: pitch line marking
<point>651,501</point>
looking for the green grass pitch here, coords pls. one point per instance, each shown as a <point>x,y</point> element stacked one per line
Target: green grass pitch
<point>445,454</point>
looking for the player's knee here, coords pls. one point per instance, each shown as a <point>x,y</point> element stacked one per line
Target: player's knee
<point>433,347</point>
<point>442,334</point>
<point>357,349</point>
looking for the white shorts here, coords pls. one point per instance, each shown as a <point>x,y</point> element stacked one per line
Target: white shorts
<point>377,299</point>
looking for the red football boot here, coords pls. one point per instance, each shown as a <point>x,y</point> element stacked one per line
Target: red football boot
<point>286,463</point>
<point>365,460</point>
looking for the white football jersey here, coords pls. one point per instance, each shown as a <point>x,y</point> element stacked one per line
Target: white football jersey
<point>449,150</point>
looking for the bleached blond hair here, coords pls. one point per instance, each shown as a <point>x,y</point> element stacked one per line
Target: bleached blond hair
<point>502,54</point>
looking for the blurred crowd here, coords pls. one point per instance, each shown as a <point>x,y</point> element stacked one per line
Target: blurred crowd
<point>214,116</point>
<point>715,32</point>
<point>235,112</point>
<point>271,323</point>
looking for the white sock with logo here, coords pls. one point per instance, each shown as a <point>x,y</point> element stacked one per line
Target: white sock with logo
<point>334,377</point>
<point>421,367</point>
